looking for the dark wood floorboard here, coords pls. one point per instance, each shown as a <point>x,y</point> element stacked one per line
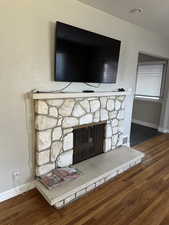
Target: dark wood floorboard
<point>139,196</point>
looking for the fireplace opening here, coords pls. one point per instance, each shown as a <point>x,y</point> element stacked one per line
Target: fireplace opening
<point>88,141</point>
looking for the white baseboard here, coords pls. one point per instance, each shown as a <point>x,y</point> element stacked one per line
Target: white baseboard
<point>162,130</point>
<point>145,123</point>
<point>16,191</point>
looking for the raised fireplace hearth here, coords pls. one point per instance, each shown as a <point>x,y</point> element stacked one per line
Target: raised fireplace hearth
<point>95,172</point>
<point>88,141</point>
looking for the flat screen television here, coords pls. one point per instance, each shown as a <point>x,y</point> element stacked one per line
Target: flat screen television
<point>83,56</point>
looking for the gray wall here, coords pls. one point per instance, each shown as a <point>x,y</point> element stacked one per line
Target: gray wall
<point>147,111</point>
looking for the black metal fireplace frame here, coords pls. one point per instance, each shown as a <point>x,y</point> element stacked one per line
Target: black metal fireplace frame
<point>88,141</point>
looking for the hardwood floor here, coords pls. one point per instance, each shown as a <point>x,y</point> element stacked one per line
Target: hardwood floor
<point>137,197</point>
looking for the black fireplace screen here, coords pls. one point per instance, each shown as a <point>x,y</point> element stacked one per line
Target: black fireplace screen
<point>88,142</point>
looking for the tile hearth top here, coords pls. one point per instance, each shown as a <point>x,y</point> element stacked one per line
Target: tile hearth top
<point>77,94</point>
<point>93,170</point>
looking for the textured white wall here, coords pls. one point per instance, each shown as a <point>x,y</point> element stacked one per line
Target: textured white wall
<point>26,62</point>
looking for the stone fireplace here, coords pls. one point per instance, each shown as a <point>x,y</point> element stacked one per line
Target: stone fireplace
<point>58,118</point>
<point>84,130</point>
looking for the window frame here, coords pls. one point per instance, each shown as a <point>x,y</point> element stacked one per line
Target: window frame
<point>162,88</point>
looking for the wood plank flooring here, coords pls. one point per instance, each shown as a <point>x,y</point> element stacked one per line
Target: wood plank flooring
<point>139,196</point>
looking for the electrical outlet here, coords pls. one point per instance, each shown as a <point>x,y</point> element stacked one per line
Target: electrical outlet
<point>125,140</point>
<point>16,174</point>
<point>16,177</point>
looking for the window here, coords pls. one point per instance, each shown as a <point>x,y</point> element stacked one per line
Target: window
<point>149,80</point>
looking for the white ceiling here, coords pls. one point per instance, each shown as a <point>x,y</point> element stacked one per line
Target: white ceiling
<point>155,16</point>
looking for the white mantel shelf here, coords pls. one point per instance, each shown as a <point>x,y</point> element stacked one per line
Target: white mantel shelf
<point>77,94</point>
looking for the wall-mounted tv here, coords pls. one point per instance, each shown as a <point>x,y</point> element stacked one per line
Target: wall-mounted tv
<point>83,56</point>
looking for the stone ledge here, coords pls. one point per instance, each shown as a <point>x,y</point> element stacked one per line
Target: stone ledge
<point>77,94</point>
<point>95,171</point>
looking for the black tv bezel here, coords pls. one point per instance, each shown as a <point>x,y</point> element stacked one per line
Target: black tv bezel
<point>58,23</point>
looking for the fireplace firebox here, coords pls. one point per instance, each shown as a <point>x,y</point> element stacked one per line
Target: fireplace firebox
<point>88,141</point>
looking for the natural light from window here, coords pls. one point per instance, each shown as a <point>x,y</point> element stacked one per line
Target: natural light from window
<point>149,81</point>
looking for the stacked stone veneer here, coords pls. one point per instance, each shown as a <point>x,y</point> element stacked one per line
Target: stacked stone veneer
<point>56,118</point>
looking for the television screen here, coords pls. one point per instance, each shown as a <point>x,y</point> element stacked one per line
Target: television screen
<point>83,56</point>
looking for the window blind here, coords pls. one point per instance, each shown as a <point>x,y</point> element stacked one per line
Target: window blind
<point>149,80</point>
